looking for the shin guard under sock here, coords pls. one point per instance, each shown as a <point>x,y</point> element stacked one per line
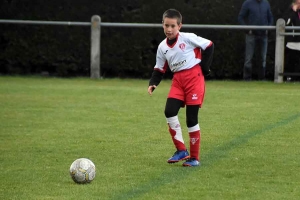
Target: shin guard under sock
<point>176,133</point>
<point>195,139</point>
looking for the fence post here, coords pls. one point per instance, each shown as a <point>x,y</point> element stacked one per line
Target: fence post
<point>95,46</point>
<point>279,51</point>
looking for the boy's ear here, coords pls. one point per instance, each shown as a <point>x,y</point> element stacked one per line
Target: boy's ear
<point>180,25</point>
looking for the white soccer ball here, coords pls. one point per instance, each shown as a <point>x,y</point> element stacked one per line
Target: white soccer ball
<point>82,171</point>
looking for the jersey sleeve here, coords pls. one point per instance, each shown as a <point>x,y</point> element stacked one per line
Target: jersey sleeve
<point>200,42</point>
<point>161,61</point>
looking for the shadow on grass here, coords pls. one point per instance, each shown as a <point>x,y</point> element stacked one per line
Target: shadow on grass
<point>179,172</point>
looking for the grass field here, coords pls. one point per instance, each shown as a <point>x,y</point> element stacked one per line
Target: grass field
<point>249,149</point>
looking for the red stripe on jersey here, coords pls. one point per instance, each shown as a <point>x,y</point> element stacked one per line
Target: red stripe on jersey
<point>209,44</point>
<point>197,52</point>
<point>165,67</point>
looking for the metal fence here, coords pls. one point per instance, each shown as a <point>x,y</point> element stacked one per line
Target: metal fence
<point>96,25</point>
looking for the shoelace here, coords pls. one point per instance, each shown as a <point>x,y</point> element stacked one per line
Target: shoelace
<point>190,159</point>
<point>176,152</point>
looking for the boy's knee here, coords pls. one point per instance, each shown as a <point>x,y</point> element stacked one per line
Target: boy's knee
<point>170,113</point>
<point>190,122</point>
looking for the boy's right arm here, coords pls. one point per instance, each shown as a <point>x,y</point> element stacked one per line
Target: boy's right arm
<point>159,70</point>
<point>155,80</point>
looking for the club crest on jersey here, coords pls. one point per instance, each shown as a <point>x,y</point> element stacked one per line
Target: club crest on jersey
<point>194,140</point>
<point>182,46</point>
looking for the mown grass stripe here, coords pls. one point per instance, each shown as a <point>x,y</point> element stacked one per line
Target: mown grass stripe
<point>177,173</point>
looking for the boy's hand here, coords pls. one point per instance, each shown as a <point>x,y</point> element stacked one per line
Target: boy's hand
<point>151,88</point>
<point>206,72</point>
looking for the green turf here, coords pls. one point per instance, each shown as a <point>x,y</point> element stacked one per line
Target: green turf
<point>250,140</point>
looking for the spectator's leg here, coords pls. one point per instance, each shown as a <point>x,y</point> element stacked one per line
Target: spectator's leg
<point>290,60</point>
<point>298,61</point>
<point>250,46</point>
<point>264,49</point>
<point>297,64</point>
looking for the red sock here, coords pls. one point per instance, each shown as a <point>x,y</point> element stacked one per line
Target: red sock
<point>195,138</point>
<point>179,145</point>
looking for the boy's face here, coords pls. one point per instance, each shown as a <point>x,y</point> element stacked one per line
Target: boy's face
<point>171,28</point>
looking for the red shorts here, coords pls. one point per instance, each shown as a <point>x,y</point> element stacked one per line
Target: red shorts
<point>188,86</point>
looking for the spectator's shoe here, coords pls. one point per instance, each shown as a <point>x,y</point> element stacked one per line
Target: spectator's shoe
<point>288,79</point>
<point>179,155</point>
<point>191,162</point>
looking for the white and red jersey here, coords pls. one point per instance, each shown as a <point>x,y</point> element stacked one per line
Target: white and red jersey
<point>184,54</point>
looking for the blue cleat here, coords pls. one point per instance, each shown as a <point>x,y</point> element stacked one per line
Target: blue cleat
<point>179,155</point>
<point>191,162</point>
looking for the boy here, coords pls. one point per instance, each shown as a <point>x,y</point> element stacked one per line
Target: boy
<point>182,53</point>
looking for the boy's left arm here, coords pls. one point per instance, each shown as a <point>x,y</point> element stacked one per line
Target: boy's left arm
<point>207,51</point>
<point>207,57</point>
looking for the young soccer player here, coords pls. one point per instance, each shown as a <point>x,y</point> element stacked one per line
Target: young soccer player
<point>189,58</point>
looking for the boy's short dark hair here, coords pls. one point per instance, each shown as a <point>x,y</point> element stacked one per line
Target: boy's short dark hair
<point>172,13</point>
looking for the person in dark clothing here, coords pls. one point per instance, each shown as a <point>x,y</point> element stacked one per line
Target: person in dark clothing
<point>292,50</point>
<point>255,13</point>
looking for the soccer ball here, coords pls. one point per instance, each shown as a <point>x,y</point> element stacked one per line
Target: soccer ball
<point>82,171</point>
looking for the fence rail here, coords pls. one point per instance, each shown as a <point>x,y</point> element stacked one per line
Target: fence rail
<point>142,25</point>
<point>8,21</point>
<point>96,25</point>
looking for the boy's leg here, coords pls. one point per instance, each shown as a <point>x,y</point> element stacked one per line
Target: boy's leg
<point>171,111</point>
<point>194,92</point>
<point>194,130</point>
<point>194,134</point>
